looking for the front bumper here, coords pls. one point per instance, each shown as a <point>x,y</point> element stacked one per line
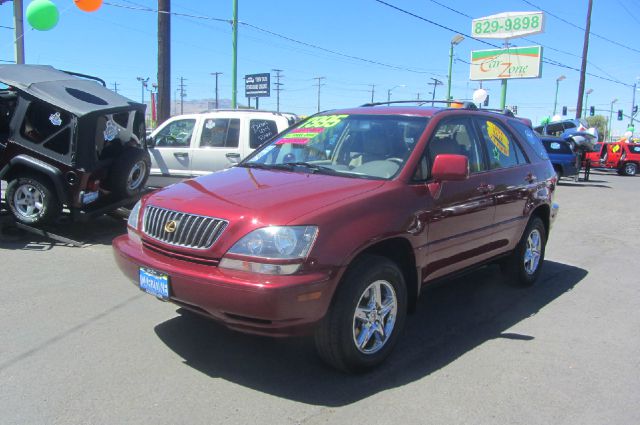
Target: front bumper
<point>251,303</point>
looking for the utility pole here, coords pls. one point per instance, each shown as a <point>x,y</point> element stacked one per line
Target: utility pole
<point>278,87</point>
<point>234,69</point>
<point>583,68</point>
<point>143,83</point>
<point>164,60</point>
<point>373,90</point>
<point>18,24</point>
<point>215,74</point>
<point>182,94</point>
<point>319,85</point>
<point>633,103</point>
<point>115,86</point>
<point>435,84</point>
<point>418,96</point>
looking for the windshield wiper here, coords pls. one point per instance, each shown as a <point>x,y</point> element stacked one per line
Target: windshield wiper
<point>264,166</point>
<point>313,167</point>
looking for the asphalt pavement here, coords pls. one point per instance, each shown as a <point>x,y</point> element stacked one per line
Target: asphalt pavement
<point>80,344</point>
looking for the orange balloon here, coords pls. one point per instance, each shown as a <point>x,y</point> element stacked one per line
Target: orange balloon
<point>88,5</point>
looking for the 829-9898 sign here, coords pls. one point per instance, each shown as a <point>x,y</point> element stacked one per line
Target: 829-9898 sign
<point>508,25</point>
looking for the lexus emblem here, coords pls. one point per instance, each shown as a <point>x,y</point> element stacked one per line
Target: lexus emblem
<point>171,226</point>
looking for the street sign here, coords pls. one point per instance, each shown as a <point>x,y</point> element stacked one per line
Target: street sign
<point>508,25</point>
<point>257,85</point>
<point>501,64</point>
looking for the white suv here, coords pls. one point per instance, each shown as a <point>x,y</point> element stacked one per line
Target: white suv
<point>193,145</point>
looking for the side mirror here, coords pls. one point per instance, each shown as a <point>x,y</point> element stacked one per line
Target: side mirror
<point>148,142</point>
<point>448,167</point>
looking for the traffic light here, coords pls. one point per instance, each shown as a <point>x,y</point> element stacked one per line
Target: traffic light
<point>619,114</point>
<point>514,109</point>
<point>592,110</point>
<point>564,110</point>
<point>486,101</point>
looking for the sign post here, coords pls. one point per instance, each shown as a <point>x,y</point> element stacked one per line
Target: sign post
<point>500,64</point>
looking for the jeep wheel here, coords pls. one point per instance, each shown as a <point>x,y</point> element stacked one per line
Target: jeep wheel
<point>32,200</point>
<point>523,266</point>
<point>367,314</point>
<point>630,169</point>
<point>130,172</point>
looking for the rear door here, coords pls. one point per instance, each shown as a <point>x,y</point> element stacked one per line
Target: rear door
<point>217,145</point>
<point>170,150</point>
<point>512,177</point>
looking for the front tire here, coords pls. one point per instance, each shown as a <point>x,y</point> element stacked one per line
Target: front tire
<point>32,200</point>
<point>524,265</point>
<point>367,314</point>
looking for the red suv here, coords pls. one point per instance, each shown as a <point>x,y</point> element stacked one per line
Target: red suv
<point>336,225</point>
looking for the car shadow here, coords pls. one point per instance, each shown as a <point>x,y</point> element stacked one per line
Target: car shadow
<point>451,320</point>
<point>99,231</point>
<point>585,183</point>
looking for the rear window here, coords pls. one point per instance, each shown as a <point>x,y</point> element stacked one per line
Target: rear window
<point>557,146</point>
<point>531,137</point>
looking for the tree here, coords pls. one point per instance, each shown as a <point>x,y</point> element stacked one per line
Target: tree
<point>600,122</point>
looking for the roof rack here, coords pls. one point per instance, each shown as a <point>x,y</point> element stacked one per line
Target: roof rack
<point>506,111</point>
<point>465,104</point>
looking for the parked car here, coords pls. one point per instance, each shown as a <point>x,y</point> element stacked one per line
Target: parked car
<point>576,131</point>
<point>67,141</point>
<point>337,225</point>
<point>562,157</point>
<point>620,156</point>
<point>193,145</point>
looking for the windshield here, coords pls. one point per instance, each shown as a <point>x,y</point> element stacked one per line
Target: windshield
<point>369,146</point>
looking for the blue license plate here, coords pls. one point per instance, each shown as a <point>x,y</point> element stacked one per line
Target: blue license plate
<point>154,283</point>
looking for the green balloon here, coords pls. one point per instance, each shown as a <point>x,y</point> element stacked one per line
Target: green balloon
<point>545,120</point>
<point>42,15</point>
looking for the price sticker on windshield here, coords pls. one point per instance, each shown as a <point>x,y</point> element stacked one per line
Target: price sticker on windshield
<point>324,121</point>
<point>498,138</point>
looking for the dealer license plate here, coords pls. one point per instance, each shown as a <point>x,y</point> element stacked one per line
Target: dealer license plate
<point>154,283</point>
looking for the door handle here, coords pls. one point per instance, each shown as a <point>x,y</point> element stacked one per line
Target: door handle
<point>486,188</point>
<point>181,154</point>
<point>530,178</point>
<point>233,155</point>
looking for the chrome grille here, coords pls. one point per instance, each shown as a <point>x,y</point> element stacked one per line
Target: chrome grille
<point>191,231</point>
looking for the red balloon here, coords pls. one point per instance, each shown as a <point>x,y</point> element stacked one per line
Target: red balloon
<point>88,5</point>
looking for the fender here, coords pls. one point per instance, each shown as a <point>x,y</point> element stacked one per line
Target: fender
<point>35,164</point>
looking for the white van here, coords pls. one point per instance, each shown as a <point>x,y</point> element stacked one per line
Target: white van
<point>193,145</point>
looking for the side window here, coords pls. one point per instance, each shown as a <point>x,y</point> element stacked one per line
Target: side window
<point>555,129</point>
<point>452,136</point>
<point>569,124</point>
<point>260,131</point>
<point>176,134</point>
<point>531,137</point>
<point>503,150</point>
<point>220,133</point>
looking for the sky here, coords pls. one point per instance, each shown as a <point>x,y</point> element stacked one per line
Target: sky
<point>353,44</point>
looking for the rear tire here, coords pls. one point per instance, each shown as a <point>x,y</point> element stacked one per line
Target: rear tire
<point>130,172</point>
<point>524,265</point>
<point>629,169</point>
<point>32,200</point>
<point>366,316</point>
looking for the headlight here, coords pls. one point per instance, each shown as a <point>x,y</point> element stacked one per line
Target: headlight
<point>132,221</point>
<point>277,242</point>
<point>259,248</point>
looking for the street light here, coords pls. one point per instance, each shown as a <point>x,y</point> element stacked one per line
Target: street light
<point>586,101</point>
<point>555,103</point>
<point>611,116</point>
<point>457,39</point>
<point>389,91</point>
<point>143,81</point>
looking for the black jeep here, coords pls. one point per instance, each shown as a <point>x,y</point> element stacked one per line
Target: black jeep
<point>67,141</point>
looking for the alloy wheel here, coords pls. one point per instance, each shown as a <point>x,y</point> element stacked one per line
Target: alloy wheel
<point>532,252</point>
<point>28,201</point>
<point>375,317</point>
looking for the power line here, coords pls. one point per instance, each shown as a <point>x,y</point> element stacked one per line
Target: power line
<point>579,27</point>
<point>549,61</point>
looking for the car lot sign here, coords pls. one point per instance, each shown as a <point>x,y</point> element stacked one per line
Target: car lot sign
<point>257,85</point>
<point>508,25</point>
<point>512,62</point>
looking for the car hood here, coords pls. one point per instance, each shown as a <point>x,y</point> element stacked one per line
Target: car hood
<point>76,95</point>
<point>263,196</point>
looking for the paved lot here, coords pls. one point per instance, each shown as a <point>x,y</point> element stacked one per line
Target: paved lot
<point>79,344</point>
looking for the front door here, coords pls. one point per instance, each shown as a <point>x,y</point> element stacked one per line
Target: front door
<point>171,151</point>
<point>460,221</point>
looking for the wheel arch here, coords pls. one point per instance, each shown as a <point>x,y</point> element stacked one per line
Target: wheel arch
<point>544,213</point>
<point>400,251</point>
<point>23,165</point>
